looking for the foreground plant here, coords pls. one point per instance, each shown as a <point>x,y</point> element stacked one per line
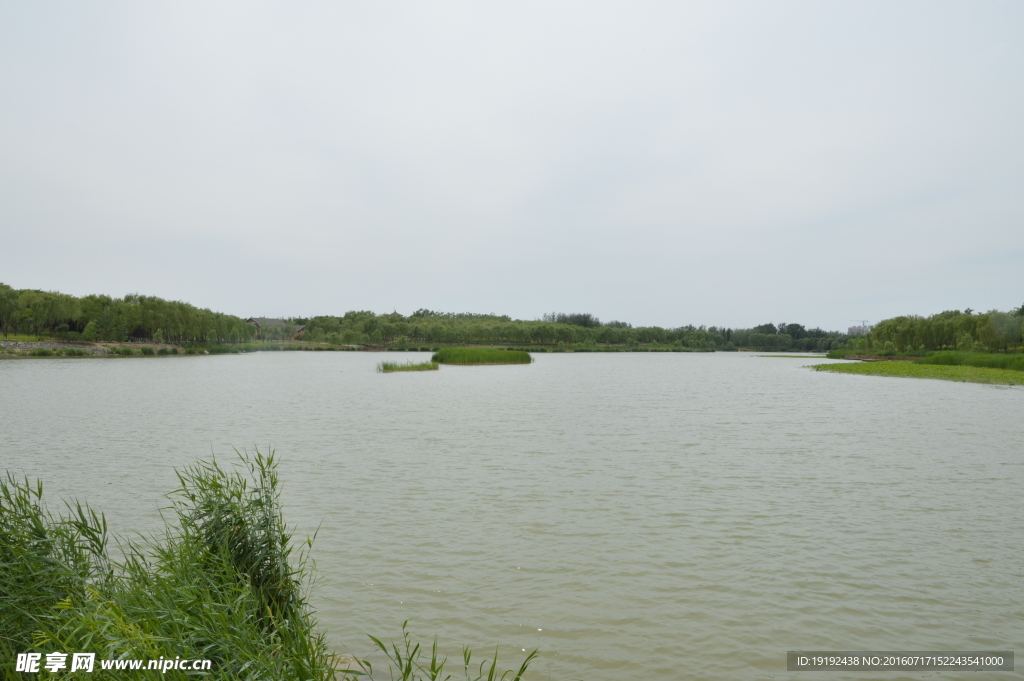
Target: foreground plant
<point>220,583</point>
<point>408,662</point>
<point>217,584</point>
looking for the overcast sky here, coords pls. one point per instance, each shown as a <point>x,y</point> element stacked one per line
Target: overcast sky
<point>726,163</point>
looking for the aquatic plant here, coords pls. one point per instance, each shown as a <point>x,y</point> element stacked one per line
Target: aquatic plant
<point>975,359</point>
<point>903,369</point>
<point>217,584</point>
<point>480,356</point>
<point>220,582</point>
<point>408,661</point>
<point>389,367</point>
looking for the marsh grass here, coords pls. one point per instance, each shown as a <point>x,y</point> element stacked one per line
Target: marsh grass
<point>216,584</point>
<point>975,359</point>
<point>390,367</point>
<point>410,663</point>
<point>480,356</point>
<point>220,581</point>
<point>899,369</point>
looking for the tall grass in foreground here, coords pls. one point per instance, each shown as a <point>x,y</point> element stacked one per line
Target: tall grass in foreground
<point>220,582</point>
<point>481,356</point>
<point>389,367</point>
<point>216,584</point>
<point>408,660</point>
<point>975,359</point>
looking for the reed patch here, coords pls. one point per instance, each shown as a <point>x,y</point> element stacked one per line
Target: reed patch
<point>468,356</point>
<point>1014,362</point>
<point>897,369</point>
<point>220,582</point>
<point>391,367</point>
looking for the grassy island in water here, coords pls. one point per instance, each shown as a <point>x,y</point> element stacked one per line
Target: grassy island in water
<point>391,367</point>
<point>481,356</point>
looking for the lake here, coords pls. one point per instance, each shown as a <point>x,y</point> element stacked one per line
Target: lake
<point>633,515</point>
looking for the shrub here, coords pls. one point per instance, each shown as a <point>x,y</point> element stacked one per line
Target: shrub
<point>146,350</point>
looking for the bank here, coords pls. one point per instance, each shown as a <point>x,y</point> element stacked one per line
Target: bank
<point>904,369</point>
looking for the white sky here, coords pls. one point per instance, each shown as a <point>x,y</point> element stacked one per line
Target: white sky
<point>725,163</point>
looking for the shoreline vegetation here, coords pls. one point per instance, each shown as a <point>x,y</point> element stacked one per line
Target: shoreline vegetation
<point>221,582</point>
<point>31,313</point>
<point>897,369</point>
<point>391,367</point>
<point>479,356</point>
<point>39,323</point>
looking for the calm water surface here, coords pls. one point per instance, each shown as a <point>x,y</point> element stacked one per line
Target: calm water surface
<point>635,516</point>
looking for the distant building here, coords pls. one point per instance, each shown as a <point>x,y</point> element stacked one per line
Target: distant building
<point>395,314</point>
<point>859,330</point>
<point>265,324</point>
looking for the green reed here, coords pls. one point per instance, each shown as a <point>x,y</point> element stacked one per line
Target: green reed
<point>217,583</point>
<point>481,356</point>
<point>389,367</point>
<point>220,581</point>
<point>410,663</point>
<point>975,359</point>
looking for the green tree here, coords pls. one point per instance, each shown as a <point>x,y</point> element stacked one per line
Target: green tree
<point>10,307</point>
<point>1004,329</point>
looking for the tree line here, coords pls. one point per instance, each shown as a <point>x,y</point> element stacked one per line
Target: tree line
<point>137,317</point>
<point>99,317</point>
<point>559,329</point>
<point>991,331</point>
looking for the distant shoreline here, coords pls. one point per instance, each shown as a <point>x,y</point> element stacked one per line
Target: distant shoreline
<point>56,348</point>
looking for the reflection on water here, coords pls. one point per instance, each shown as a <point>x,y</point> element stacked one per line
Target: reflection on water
<point>655,516</point>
